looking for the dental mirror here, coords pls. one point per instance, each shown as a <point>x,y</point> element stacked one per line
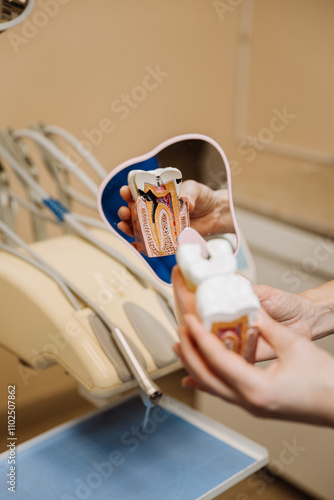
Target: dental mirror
<point>184,182</point>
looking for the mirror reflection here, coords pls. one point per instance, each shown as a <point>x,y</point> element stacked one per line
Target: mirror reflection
<point>149,202</point>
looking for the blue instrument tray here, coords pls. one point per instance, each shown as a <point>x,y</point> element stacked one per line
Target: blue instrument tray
<point>181,455</point>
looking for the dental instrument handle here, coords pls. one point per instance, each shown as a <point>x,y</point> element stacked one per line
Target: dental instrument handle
<point>152,393</point>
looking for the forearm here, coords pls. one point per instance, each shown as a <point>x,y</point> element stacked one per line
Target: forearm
<point>322,322</point>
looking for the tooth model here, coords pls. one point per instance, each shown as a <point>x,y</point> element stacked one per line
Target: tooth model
<point>225,301</point>
<point>159,214</point>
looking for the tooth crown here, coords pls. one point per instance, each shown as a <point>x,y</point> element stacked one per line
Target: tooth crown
<point>197,268</point>
<point>225,298</point>
<point>138,180</point>
<point>158,215</point>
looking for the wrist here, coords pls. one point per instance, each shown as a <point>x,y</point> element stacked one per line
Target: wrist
<point>323,320</point>
<point>322,317</point>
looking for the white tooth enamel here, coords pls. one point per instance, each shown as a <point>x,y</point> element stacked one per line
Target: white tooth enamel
<point>138,178</point>
<point>197,268</point>
<point>193,266</point>
<point>170,174</point>
<point>131,184</point>
<point>225,298</point>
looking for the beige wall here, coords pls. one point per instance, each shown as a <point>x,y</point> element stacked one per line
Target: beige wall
<point>90,54</point>
<point>70,71</point>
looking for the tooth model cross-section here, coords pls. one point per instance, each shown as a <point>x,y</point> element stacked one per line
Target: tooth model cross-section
<point>225,301</point>
<point>159,214</point>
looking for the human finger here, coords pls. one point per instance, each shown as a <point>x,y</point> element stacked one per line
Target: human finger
<point>124,213</point>
<point>264,352</point>
<point>227,365</point>
<point>177,348</point>
<point>189,382</point>
<point>278,336</point>
<point>125,193</point>
<point>276,302</point>
<point>200,371</point>
<point>191,190</point>
<point>125,228</point>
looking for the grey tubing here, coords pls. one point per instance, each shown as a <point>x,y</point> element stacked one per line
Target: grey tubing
<point>30,206</point>
<point>75,143</point>
<point>84,219</point>
<point>60,156</point>
<point>23,174</point>
<point>75,225</point>
<point>117,359</point>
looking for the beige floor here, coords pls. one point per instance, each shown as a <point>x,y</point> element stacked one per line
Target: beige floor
<point>56,411</point>
<point>262,486</point>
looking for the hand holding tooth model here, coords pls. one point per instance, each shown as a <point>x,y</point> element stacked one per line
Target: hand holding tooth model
<point>297,386</point>
<point>209,209</point>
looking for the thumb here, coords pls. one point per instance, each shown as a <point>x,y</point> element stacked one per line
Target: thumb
<point>190,190</point>
<point>279,337</point>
